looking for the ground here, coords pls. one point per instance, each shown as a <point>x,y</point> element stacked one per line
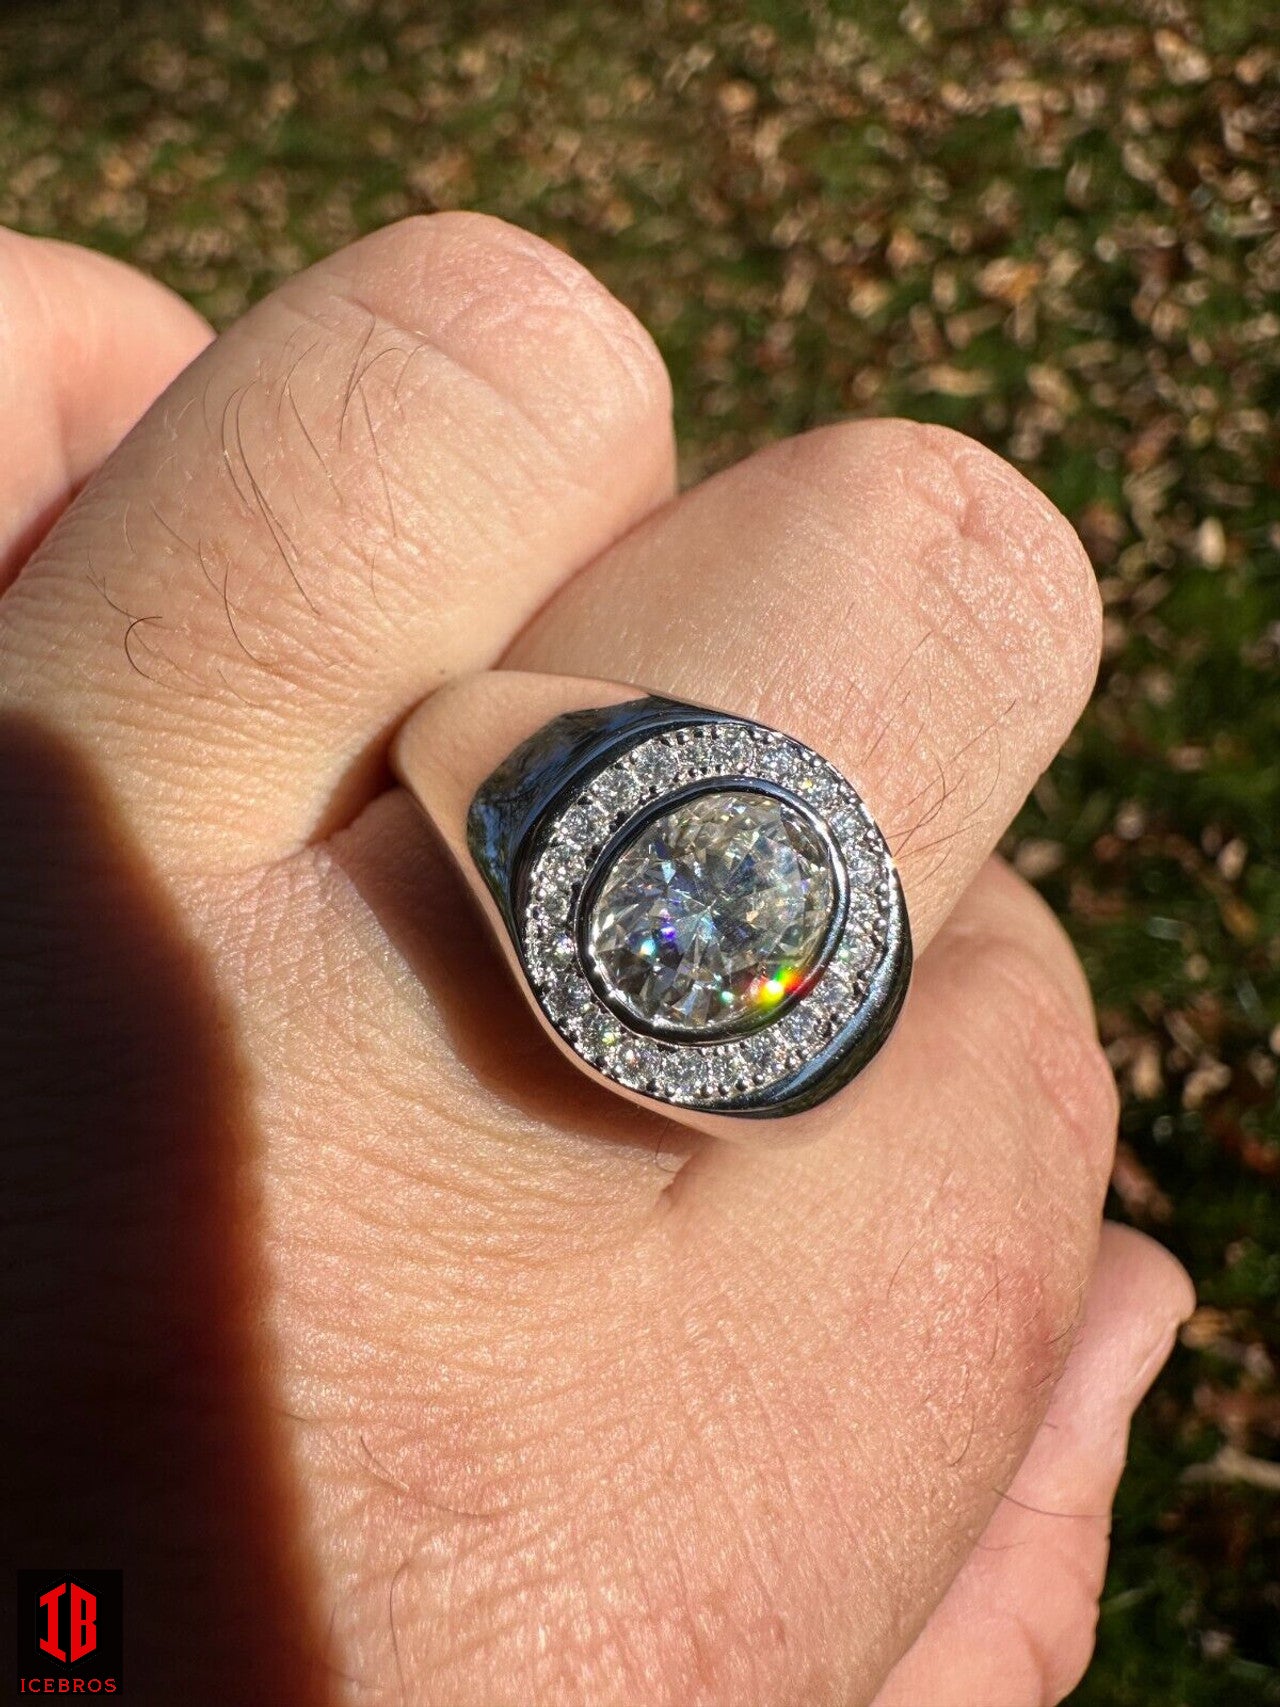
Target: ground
<point>1053,226</point>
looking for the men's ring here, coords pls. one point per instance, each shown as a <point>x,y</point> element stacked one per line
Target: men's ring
<point>703,909</point>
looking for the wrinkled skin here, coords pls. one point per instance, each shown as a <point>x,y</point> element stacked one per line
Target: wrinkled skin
<point>398,1363</point>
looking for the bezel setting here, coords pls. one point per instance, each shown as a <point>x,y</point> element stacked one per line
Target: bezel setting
<point>632,828</point>
<point>545,829</point>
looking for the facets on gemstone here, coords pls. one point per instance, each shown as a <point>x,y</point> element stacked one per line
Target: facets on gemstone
<point>713,914</point>
<point>704,1064</point>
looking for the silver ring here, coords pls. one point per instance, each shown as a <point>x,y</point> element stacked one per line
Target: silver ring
<point>703,908</point>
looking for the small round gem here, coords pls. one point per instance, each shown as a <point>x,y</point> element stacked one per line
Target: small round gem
<point>714,915</point>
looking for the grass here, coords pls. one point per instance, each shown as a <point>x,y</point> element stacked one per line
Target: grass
<point>1052,226</point>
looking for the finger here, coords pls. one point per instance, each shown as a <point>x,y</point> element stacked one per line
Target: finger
<point>803,1376</point>
<point>1016,1627</point>
<point>459,736</point>
<point>895,595</point>
<point>909,1287</point>
<point>365,486</point>
<point>902,601</point>
<point>1004,904</point>
<point>86,344</point>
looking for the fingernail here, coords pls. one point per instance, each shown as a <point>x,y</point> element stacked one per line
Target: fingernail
<point>1175,1305</point>
<point>1139,1296</point>
<point>1149,1362</point>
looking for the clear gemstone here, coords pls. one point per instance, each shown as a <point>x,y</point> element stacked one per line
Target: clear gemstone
<point>714,914</point>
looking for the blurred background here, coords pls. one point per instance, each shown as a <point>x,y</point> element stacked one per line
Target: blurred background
<point>1053,226</point>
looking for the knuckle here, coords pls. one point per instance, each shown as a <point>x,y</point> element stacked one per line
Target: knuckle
<point>963,545</point>
<point>1035,566</point>
<point>1014,908</point>
<point>1053,1063</point>
<point>993,556</point>
<point>516,311</point>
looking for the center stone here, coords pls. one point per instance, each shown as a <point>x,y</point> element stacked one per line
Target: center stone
<point>714,914</point>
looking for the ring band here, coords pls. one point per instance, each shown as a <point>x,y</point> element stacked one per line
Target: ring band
<point>702,908</point>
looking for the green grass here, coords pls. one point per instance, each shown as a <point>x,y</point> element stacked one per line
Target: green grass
<point>1048,225</point>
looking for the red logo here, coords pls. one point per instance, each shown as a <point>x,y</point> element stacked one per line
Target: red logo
<point>70,1618</point>
<point>70,1630</point>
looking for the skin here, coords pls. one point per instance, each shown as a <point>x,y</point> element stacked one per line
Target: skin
<point>493,1387</point>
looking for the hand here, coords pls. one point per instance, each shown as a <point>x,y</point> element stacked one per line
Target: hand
<point>367,1336</point>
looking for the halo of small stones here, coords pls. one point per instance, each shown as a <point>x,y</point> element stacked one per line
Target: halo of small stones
<point>703,1074</point>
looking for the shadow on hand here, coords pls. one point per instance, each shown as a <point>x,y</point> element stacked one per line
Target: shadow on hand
<point>140,1430</point>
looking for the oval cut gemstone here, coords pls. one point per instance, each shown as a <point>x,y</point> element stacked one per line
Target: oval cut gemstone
<point>714,914</point>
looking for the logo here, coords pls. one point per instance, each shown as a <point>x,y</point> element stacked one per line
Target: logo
<point>83,1609</point>
<point>69,1632</point>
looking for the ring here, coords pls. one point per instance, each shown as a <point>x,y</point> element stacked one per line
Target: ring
<point>702,908</point>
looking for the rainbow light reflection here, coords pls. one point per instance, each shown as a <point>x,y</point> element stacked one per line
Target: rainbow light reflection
<point>768,992</point>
